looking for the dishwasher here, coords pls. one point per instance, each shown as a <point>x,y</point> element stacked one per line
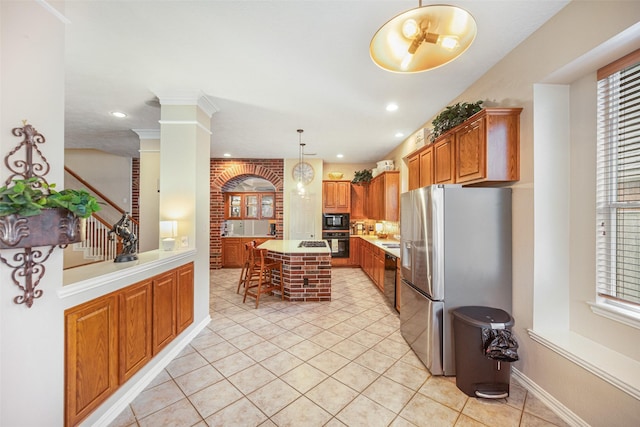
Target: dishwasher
<point>390,266</point>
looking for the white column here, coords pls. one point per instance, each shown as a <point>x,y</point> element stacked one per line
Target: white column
<point>185,142</point>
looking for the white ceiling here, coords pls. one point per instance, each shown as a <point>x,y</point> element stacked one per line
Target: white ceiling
<point>270,67</point>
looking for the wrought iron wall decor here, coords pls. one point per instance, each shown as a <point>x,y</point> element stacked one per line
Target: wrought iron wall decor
<point>52,227</point>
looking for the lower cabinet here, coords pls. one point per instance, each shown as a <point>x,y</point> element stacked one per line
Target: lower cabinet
<point>164,310</point>
<point>135,312</point>
<point>110,338</point>
<point>185,297</point>
<point>91,356</point>
<point>372,262</point>
<point>234,253</point>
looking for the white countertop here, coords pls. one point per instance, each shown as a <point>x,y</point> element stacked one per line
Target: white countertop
<point>291,247</point>
<point>381,243</point>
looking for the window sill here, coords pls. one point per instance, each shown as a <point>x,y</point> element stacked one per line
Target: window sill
<point>613,367</point>
<point>616,313</point>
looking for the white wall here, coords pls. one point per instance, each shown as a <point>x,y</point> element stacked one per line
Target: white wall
<point>314,189</point>
<point>32,339</point>
<point>112,178</point>
<point>557,53</point>
<point>149,194</point>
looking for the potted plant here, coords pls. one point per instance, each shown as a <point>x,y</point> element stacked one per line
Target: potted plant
<point>452,116</point>
<point>362,177</point>
<point>33,213</point>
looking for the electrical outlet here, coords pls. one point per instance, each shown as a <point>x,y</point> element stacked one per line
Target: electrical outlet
<point>184,242</point>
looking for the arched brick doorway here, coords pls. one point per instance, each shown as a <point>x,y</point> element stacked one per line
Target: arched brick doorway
<point>226,174</point>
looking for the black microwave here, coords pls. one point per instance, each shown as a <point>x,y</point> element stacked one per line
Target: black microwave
<point>335,221</point>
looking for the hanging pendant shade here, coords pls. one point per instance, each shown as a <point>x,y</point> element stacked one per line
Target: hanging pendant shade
<point>423,38</point>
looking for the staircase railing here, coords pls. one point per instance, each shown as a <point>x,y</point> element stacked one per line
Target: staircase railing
<point>98,246</point>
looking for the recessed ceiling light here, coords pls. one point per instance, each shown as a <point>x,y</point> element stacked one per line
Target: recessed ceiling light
<point>392,107</point>
<point>399,135</point>
<point>340,156</point>
<point>226,155</point>
<point>118,114</point>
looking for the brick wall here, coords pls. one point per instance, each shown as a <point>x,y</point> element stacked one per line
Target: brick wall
<point>224,175</point>
<point>307,277</point>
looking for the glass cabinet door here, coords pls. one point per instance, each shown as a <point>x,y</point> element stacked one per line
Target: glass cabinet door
<point>235,202</point>
<point>266,206</point>
<point>251,206</point>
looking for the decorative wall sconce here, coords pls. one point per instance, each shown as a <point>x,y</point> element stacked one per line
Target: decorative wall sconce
<point>46,227</point>
<point>168,233</point>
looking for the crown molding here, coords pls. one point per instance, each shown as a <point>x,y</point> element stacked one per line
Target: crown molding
<point>147,133</point>
<point>201,99</point>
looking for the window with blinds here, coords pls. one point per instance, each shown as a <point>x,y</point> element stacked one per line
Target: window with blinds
<point>618,180</point>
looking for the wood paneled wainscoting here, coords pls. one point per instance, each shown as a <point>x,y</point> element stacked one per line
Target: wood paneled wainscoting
<point>110,338</point>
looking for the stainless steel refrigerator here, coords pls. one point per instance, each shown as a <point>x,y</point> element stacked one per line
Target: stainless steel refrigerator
<point>455,251</point>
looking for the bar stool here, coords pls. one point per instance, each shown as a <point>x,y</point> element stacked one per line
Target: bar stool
<point>260,277</point>
<point>244,273</point>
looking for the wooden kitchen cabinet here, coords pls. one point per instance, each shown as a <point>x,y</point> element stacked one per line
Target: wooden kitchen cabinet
<point>91,356</point>
<point>377,269</point>
<point>488,146</point>
<point>164,311</point>
<point>249,205</point>
<point>369,261</point>
<point>184,306</point>
<point>426,167</point>
<point>483,149</point>
<point>336,196</point>
<point>354,251</point>
<point>421,168</point>
<point>110,338</point>
<point>358,195</point>
<point>383,197</point>
<point>444,161</point>
<point>413,165</point>
<point>135,318</point>
<point>232,252</point>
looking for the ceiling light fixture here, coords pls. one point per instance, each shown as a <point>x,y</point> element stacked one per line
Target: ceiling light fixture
<point>392,107</point>
<point>226,155</point>
<point>423,38</point>
<point>339,156</point>
<point>118,114</point>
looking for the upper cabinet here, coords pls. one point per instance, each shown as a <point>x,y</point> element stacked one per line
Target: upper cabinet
<point>483,149</point>
<point>358,193</point>
<point>336,196</point>
<point>250,205</point>
<point>383,197</point>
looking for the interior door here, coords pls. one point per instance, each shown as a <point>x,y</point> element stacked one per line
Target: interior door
<point>303,216</point>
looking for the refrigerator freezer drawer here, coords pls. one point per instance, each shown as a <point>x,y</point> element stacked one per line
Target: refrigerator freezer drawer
<point>421,327</point>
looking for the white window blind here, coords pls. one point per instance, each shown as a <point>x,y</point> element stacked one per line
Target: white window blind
<point>618,181</point>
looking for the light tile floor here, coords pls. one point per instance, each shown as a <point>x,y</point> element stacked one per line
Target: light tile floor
<point>313,364</point>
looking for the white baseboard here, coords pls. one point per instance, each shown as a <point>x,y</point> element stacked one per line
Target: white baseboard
<point>120,405</point>
<point>551,402</point>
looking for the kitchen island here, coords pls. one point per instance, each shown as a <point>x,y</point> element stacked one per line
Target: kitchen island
<point>306,268</point>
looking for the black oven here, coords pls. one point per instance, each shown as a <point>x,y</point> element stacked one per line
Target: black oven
<point>335,221</point>
<point>338,243</point>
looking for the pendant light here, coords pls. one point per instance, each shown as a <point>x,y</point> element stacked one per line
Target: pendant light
<point>300,184</point>
<point>423,38</point>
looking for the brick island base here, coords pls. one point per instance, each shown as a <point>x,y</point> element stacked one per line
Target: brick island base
<point>306,271</point>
